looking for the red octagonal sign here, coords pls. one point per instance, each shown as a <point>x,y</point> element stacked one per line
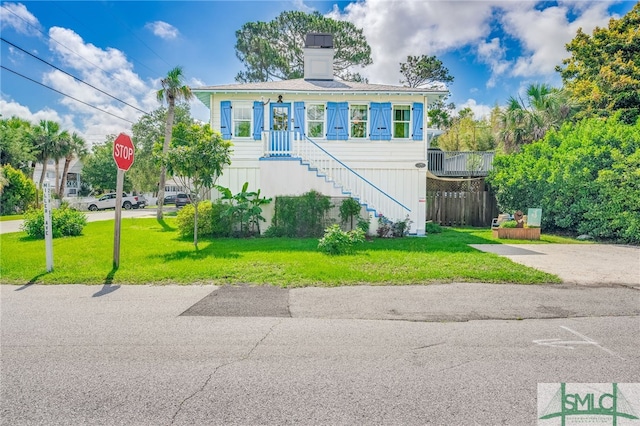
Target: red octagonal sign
<point>123,152</point>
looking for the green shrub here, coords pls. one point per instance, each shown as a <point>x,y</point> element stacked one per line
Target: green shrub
<point>65,222</point>
<point>212,221</point>
<point>350,212</point>
<point>185,219</point>
<point>390,229</point>
<point>585,177</point>
<point>509,224</point>
<point>303,216</point>
<point>337,242</point>
<point>17,192</point>
<point>433,228</point>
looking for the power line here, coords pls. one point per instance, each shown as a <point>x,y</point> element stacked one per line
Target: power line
<point>64,94</point>
<point>73,76</point>
<point>69,49</point>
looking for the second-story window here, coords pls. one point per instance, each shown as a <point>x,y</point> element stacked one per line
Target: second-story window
<point>242,120</point>
<point>315,120</point>
<point>358,118</point>
<point>401,120</point>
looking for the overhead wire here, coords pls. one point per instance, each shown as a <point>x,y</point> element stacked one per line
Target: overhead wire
<point>69,49</point>
<point>73,76</point>
<point>64,94</point>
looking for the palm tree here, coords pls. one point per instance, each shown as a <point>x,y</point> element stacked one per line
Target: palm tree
<point>525,121</point>
<point>172,90</point>
<point>45,138</point>
<point>77,148</point>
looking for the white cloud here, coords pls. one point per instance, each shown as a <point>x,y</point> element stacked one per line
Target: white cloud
<point>10,108</point>
<point>480,112</point>
<point>163,30</point>
<point>396,29</point>
<point>543,34</point>
<point>16,16</point>
<point>494,55</point>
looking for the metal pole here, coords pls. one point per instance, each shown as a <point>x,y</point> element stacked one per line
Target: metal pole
<point>48,232</point>
<point>116,232</point>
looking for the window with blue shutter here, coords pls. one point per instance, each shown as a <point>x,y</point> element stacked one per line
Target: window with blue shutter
<point>298,118</point>
<point>417,121</point>
<point>332,111</point>
<point>380,121</point>
<point>225,119</point>
<point>258,120</point>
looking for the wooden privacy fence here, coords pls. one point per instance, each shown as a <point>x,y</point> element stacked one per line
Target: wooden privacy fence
<point>461,208</point>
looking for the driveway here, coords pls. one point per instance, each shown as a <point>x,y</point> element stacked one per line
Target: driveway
<point>584,264</point>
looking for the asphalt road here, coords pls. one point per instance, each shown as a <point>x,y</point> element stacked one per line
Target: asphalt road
<point>454,354</point>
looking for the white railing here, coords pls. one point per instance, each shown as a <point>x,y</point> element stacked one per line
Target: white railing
<point>327,166</point>
<point>460,163</point>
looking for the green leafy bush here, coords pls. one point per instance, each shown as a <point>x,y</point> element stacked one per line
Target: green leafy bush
<point>212,220</point>
<point>509,224</point>
<point>390,229</point>
<point>337,242</point>
<point>17,192</point>
<point>65,222</point>
<point>585,177</point>
<point>186,217</point>
<point>303,216</point>
<point>350,212</point>
<point>433,228</point>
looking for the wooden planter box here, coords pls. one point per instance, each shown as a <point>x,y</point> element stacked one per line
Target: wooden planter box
<point>517,233</point>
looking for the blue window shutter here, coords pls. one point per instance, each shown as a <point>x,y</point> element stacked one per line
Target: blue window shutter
<point>332,110</point>
<point>298,118</point>
<point>385,121</point>
<point>225,119</point>
<point>374,117</point>
<point>418,120</point>
<point>258,120</point>
<point>342,121</point>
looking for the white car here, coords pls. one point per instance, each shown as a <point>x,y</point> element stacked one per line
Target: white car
<point>108,201</point>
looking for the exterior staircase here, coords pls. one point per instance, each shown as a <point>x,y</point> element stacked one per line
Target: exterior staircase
<point>326,166</point>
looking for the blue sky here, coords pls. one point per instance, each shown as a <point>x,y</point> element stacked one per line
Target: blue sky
<point>494,49</point>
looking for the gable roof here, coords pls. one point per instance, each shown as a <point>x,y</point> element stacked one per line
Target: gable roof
<point>301,85</point>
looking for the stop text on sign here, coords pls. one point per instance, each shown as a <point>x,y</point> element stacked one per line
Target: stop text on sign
<point>123,151</point>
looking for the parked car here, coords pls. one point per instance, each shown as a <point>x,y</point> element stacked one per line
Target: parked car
<point>169,199</point>
<point>108,201</point>
<point>182,200</point>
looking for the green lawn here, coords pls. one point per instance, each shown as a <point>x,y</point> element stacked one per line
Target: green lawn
<point>153,252</point>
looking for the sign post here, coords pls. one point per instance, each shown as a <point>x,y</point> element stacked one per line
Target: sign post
<point>123,153</point>
<point>48,232</point>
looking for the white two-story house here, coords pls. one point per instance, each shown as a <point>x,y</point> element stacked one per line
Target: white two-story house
<point>365,141</point>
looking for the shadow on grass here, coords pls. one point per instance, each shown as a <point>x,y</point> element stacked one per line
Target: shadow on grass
<point>211,250</point>
<point>165,226</point>
<point>31,282</point>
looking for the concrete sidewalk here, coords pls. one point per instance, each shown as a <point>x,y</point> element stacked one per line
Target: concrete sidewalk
<point>583,264</point>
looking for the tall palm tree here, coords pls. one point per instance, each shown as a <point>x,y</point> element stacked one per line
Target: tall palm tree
<point>77,148</point>
<point>45,138</point>
<point>60,150</point>
<point>173,89</point>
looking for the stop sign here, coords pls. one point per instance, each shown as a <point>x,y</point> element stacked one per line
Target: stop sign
<point>123,152</point>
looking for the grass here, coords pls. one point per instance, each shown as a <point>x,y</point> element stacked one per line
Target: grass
<point>153,252</point>
<point>11,217</point>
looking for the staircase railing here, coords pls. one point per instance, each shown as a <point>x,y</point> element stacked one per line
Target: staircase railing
<point>343,177</point>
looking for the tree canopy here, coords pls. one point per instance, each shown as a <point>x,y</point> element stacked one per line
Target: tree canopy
<point>603,72</point>
<point>196,157</point>
<point>100,171</point>
<point>424,70</point>
<point>274,50</point>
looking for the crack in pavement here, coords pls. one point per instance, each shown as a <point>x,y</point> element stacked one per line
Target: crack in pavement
<point>213,373</point>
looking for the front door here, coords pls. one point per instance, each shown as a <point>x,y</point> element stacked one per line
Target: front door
<point>280,127</point>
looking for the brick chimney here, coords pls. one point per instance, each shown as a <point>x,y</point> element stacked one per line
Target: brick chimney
<point>318,56</point>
